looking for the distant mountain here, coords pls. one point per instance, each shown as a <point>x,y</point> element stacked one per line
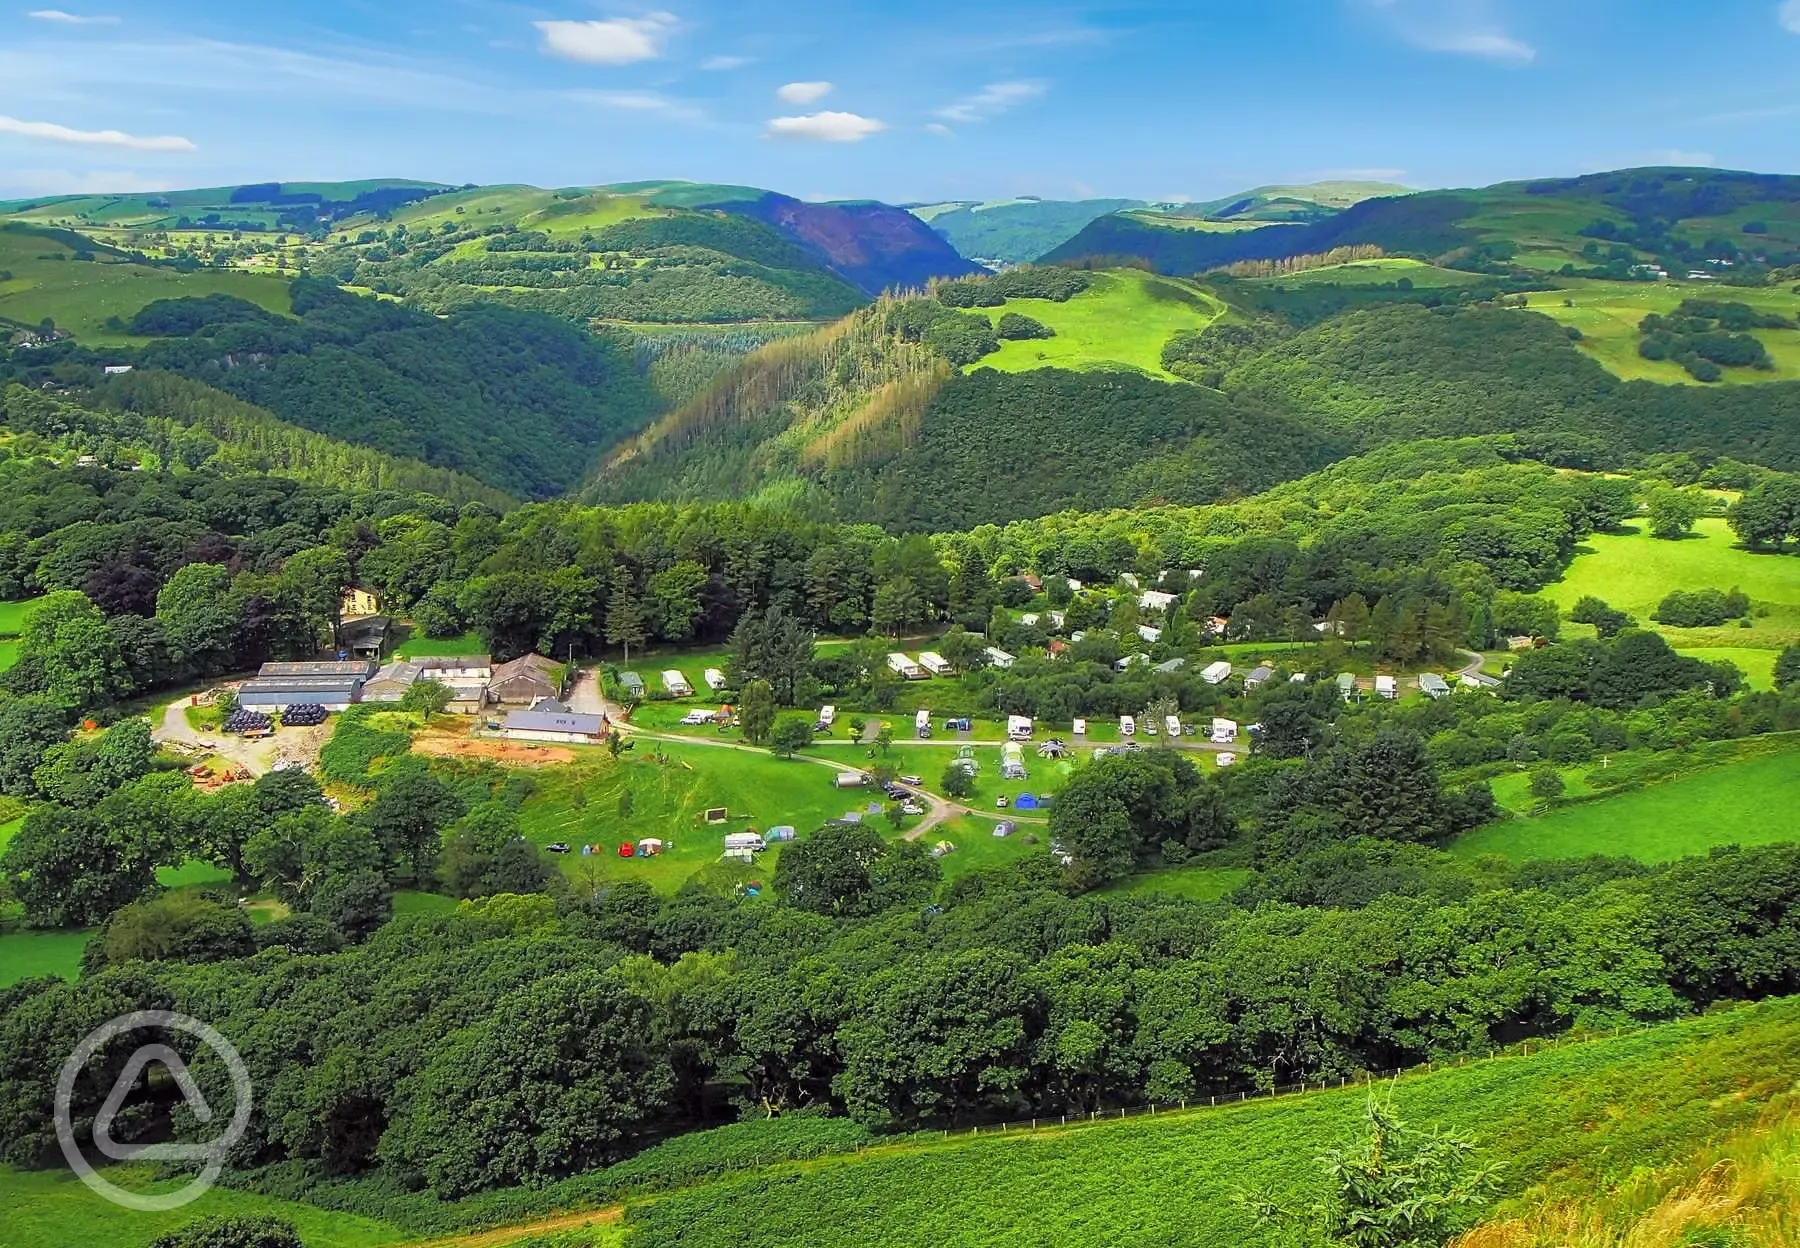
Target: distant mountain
<point>873,246</point>
<point>1672,216</point>
<point>1014,231</point>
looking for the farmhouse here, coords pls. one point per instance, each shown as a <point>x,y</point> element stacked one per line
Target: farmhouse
<point>998,658</point>
<point>365,638</point>
<point>676,684</point>
<point>525,680</point>
<point>554,722</point>
<point>1216,673</point>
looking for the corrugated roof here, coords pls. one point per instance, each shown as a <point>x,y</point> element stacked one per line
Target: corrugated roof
<point>352,667</point>
<point>298,684</point>
<point>555,721</point>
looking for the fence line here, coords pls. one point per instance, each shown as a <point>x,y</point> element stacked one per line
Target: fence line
<point>1045,1122</point>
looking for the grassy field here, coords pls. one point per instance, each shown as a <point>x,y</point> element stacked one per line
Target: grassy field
<point>1591,1115</point>
<point>1751,802</point>
<point>1607,314</point>
<point>12,617</point>
<point>1634,572</point>
<point>80,295</point>
<point>1191,883</point>
<point>29,955</point>
<point>419,647</point>
<point>1375,273</point>
<point>53,1209</point>
<point>1124,318</point>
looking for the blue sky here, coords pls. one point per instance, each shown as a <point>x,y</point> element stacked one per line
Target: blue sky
<point>901,100</point>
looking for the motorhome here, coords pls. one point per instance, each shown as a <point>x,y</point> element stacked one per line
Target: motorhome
<point>1172,724</point>
<point>1127,726</point>
<point>1018,728</point>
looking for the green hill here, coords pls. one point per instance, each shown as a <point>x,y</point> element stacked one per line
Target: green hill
<point>1686,220</point>
<point>1015,231</point>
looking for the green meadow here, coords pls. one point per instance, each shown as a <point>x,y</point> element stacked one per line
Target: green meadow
<point>1124,318</point>
<point>1750,802</point>
<point>1634,572</point>
<point>1188,883</point>
<point>12,617</point>
<point>53,1209</point>
<point>33,954</point>
<point>80,295</point>
<point>1581,1117</point>
<point>1375,273</point>
<point>1607,314</point>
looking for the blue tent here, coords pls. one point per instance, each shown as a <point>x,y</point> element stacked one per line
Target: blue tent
<point>1026,802</point>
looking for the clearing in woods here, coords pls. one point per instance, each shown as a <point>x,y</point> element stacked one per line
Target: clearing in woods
<point>81,295</point>
<point>1607,314</point>
<point>1634,572</point>
<point>1745,803</point>
<point>1124,318</point>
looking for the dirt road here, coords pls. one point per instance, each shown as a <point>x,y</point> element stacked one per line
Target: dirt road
<point>301,745</point>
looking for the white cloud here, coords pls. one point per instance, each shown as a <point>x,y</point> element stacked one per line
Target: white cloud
<point>803,92</point>
<point>1789,15</point>
<point>18,183</point>
<point>618,41</point>
<point>1454,27</point>
<point>940,129</point>
<point>639,102</point>
<point>71,19</point>
<point>825,128</point>
<point>53,133</point>
<point>1492,45</point>
<point>725,62</point>
<point>991,100</point>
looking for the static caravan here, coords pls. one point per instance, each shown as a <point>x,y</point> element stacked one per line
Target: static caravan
<point>1216,673</point>
<point>998,658</point>
<point>935,663</point>
<point>1155,600</point>
<point>922,724</point>
<point>744,840</point>
<point>677,684</point>
<point>1346,684</point>
<point>632,684</point>
<point>1018,728</point>
<point>1387,687</point>
<point>1224,731</point>
<point>905,668</point>
<point>1172,725</point>
<point>1127,726</point>
<point>1149,634</point>
<point>1081,727</point>
<point>1434,686</point>
<point>714,678</point>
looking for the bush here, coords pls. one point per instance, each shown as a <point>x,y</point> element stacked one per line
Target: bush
<point>1701,608</point>
<point>1014,327</point>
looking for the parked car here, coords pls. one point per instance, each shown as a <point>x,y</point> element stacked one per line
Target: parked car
<point>915,781</point>
<point>558,847</point>
<point>1000,802</point>
<point>912,808</point>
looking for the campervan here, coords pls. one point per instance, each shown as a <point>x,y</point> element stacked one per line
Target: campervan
<point>1018,728</point>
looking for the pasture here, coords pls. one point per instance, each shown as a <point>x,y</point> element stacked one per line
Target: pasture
<point>53,1208</point>
<point>1607,314</point>
<point>1188,883</point>
<point>1590,1114</point>
<point>1375,273</point>
<point>80,295</point>
<point>1634,572</point>
<point>1125,318</point>
<point>32,954</point>
<point>1749,802</point>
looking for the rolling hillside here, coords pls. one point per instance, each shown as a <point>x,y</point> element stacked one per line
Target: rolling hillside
<point>1014,231</point>
<point>1680,218</point>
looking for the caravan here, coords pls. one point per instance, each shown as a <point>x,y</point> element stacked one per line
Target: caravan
<point>922,725</point>
<point>827,717</point>
<point>715,679</point>
<point>1172,725</point>
<point>904,667</point>
<point>1127,726</point>
<point>1018,728</point>
<point>935,663</point>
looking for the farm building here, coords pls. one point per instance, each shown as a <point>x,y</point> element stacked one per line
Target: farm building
<point>935,663</point>
<point>1346,684</point>
<point>456,669</point>
<point>998,658</point>
<point>1224,731</point>
<point>277,693</point>
<point>1259,676</point>
<point>321,667</point>
<point>1387,687</point>
<point>551,721</point>
<point>525,680</point>
<point>905,668</point>
<point>365,638</point>
<point>1434,686</point>
<point>632,684</point>
<point>1155,600</point>
<point>676,684</point>
<point>1216,673</point>
<point>391,682</point>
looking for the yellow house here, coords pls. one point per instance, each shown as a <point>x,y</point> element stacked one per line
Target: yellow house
<point>358,602</point>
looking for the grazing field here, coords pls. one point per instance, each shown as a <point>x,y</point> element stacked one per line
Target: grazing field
<point>53,1209</point>
<point>421,647</point>
<point>1191,883</point>
<point>1125,318</point>
<point>1375,273</point>
<point>31,954</point>
<point>80,295</point>
<point>1743,803</point>
<point>1590,1115</point>
<point>1634,572</point>
<point>1607,314</point>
